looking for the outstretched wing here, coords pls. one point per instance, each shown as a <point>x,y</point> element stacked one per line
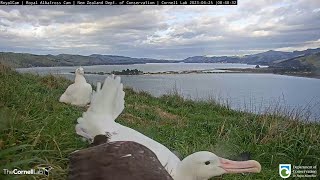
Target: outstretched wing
<point>109,101</point>
<point>106,105</point>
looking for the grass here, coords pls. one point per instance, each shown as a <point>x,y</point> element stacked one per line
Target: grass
<point>35,129</point>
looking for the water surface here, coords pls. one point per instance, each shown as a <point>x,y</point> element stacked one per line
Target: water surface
<point>250,92</point>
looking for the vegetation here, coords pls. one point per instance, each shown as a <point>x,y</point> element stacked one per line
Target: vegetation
<point>312,59</point>
<point>123,72</point>
<point>308,66</point>
<point>36,129</point>
<point>128,72</point>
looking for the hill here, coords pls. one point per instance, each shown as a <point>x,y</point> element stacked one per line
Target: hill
<point>264,58</point>
<point>36,129</point>
<point>308,65</point>
<point>311,62</point>
<point>20,60</point>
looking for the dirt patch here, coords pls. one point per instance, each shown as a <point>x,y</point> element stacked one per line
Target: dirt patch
<point>166,115</point>
<point>4,68</point>
<point>162,113</point>
<point>50,81</point>
<point>140,107</point>
<point>167,118</point>
<point>54,82</point>
<point>170,119</point>
<point>134,119</point>
<point>273,130</point>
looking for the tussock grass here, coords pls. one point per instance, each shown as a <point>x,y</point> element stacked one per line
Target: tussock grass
<point>35,129</point>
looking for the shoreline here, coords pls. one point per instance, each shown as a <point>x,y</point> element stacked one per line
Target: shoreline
<point>221,71</point>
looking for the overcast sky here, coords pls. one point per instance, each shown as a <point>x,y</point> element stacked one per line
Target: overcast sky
<point>168,32</point>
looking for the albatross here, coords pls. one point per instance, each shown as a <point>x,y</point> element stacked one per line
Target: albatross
<point>99,119</point>
<point>78,93</point>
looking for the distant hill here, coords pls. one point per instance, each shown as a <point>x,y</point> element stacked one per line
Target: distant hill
<point>302,63</point>
<point>265,58</point>
<point>269,58</point>
<point>218,59</point>
<point>111,59</point>
<point>19,60</point>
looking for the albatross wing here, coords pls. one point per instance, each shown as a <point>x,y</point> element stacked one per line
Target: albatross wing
<point>106,105</point>
<point>122,160</point>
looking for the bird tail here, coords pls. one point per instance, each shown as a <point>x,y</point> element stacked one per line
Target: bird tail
<point>106,105</point>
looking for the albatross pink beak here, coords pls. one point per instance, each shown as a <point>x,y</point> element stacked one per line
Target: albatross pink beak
<point>233,167</point>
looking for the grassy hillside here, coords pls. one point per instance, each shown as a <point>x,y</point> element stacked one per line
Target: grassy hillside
<point>308,66</point>
<point>36,129</point>
<point>264,58</point>
<point>18,60</point>
<point>23,60</point>
<point>312,60</point>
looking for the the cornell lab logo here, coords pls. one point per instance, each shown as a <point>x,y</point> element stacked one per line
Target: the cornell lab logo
<point>284,170</point>
<point>39,171</point>
<point>46,170</point>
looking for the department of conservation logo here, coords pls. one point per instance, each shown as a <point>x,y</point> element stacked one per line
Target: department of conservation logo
<point>284,170</point>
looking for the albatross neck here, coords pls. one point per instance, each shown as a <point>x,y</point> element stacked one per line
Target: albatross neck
<point>79,78</point>
<point>183,174</point>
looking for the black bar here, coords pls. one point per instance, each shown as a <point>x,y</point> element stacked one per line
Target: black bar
<point>121,2</point>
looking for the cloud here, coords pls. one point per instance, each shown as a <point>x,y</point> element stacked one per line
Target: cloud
<point>171,32</point>
<point>303,46</point>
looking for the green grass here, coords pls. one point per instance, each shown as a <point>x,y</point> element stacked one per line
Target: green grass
<point>36,129</point>
<point>312,59</point>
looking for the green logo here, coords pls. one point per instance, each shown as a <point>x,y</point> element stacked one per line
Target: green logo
<point>284,170</point>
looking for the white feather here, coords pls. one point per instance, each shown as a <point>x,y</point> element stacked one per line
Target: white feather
<point>98,86</point>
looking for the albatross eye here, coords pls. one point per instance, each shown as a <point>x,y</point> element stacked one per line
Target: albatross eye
<point>207,162</point>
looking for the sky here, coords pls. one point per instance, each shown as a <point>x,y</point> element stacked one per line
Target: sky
<point>162,32</point>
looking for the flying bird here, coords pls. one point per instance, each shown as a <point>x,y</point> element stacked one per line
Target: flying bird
<point>79,93</point>
<point>108,103</point>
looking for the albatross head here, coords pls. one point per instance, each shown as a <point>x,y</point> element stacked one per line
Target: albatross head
<point>204,165</point>
<point>80,71</point>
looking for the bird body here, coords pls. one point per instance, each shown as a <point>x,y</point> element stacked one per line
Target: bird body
<point>121,160</point>
<point>106,106</point>
<point>78,93</point>
<point>118,132</point>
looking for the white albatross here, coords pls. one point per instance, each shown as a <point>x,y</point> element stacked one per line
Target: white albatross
<point>108,103</point>
<point>78,93</point>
